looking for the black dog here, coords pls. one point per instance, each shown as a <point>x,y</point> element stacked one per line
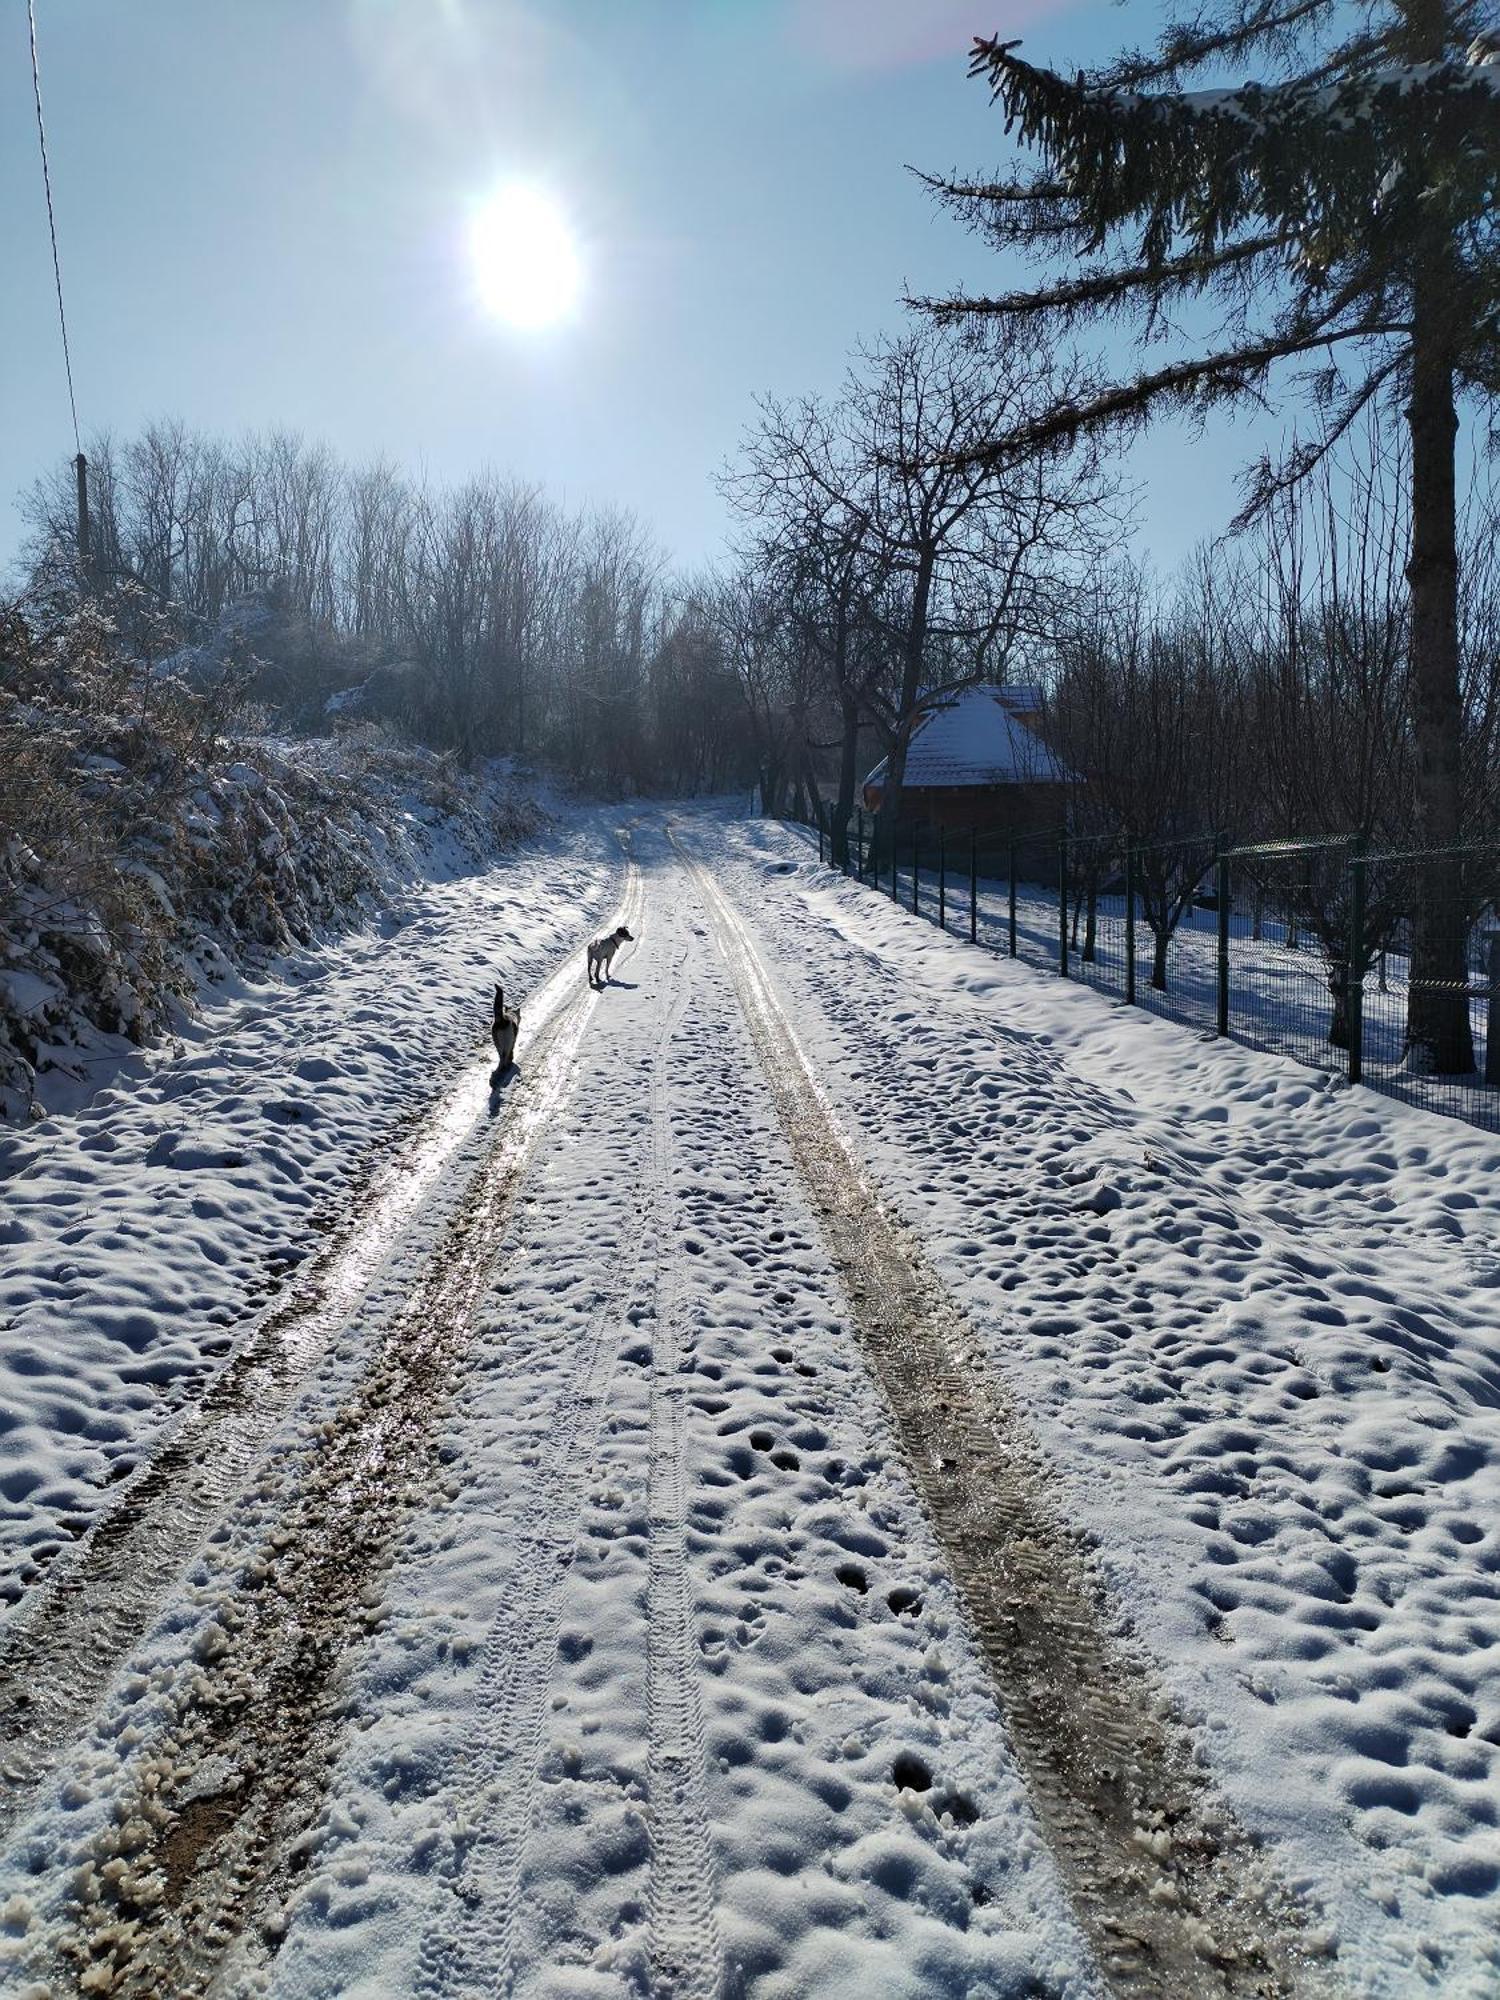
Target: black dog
<point>506,1027</point>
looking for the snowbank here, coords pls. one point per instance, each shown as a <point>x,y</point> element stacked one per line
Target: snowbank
<point>267,847</point>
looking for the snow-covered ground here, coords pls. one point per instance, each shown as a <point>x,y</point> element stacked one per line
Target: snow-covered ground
<point>575,1623</point>
<point>137,1235</point>
<point>1256,1315</point>
<point>1279,993</point>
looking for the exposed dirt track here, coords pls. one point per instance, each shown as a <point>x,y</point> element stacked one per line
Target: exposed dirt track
<point>1177,1902</point>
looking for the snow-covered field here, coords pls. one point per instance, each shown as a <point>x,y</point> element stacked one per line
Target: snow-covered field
<point>575,1623</point>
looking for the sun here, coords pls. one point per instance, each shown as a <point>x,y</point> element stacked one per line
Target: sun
<point>525,257</point>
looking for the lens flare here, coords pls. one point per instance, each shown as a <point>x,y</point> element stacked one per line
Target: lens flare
<point>526,261</point>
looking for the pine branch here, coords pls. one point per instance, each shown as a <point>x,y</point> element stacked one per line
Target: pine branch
<point>1313,159</point>
<point>1198,381</point>
<point>1109,287</point>
<point>1192,45</point>
<point>991,191</point>
<point>1266,483</point>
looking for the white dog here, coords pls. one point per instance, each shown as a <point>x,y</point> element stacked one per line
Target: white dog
<point>602,954</point>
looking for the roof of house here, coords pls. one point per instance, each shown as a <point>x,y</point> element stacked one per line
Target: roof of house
<point>973,736</point>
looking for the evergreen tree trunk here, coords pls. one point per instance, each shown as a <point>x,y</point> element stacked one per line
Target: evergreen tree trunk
<point>1437,1010</point>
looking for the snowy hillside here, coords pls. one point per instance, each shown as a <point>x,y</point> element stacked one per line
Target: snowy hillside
<point>264,847</point>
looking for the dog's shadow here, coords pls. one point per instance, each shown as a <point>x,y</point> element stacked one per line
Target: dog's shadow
<point>502,1077</point>
<point>622,985</point>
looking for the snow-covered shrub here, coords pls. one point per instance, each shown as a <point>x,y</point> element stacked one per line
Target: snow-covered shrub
<point>150,843</point>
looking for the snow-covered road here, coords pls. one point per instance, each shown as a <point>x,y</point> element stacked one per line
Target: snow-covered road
<point>817,1487</point>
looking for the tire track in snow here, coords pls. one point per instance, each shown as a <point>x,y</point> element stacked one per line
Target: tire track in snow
<point>686,1951</point>
<point>220,1804</point>
<point>1170,1892</point>
<point>62,1646</point>
<point>473,1953</point>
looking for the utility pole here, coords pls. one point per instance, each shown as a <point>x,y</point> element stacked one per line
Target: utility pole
<point>81,467</point>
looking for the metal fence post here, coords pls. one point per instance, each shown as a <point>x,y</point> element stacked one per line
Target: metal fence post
<point>820,838</point>
<point>916,870</point>
<point>1492,1014</point>
<point>1129,923</point>
<point>893,863</point>
<point>1354,968</point>
<point>973,885</point>
<point>1013,899</point>
<point>859,852</point>
<point>942,878</point>
<point>1221,982</point>
<point>1062,904</point>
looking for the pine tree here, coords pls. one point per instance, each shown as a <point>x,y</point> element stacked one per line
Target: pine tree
<point>1343,208</point>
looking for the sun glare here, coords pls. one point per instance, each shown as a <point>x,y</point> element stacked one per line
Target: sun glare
<point>526,261</point>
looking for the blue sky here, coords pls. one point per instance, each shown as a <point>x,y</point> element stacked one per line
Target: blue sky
<point>263,208</point>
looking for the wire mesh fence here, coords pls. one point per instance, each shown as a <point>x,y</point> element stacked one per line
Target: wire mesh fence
<point>1381,967</point>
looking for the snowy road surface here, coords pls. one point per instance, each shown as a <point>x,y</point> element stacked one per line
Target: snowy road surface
<point>856,1470</point>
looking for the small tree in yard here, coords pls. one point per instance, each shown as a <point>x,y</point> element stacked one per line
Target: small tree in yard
<point>1320,628</point>
<point>1343,208</point>
<point>1144,706</point>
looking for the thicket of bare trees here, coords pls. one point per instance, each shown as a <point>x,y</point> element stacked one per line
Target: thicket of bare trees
<point>878,559</point>
<point>883,555</point>
<point>482,616</point>
<point>1267,695</point>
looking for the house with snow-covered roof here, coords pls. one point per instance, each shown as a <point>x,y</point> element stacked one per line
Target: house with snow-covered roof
<point>975,761</point>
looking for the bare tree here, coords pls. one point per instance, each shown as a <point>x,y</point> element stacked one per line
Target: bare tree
<point>1143,706</point>
<point>886,500</point>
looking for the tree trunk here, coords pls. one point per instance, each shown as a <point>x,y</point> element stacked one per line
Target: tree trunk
<point>1091,922</point>
<point>1437,1009</point>
<point>1161,937</point>
<point>1338,986</point>
<point>914,652</point>
<point>843,810</point>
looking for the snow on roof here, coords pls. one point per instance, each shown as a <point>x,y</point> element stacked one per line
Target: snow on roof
<point>974,737</point>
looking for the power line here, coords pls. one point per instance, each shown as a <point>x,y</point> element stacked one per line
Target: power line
<point>41,135</point>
